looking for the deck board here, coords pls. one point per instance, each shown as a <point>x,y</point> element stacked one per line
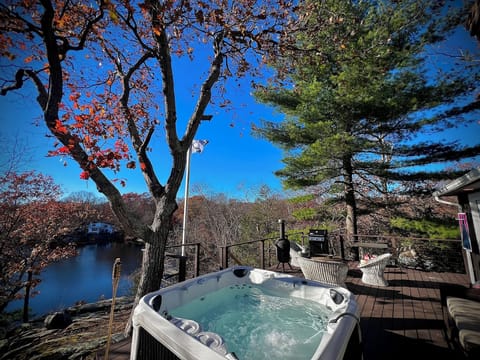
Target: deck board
<point>401,321</point>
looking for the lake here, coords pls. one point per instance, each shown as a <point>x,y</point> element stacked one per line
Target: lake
<point>85,277</point>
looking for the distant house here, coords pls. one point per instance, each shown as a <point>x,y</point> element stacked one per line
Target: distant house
<point>467,191</point>
<point>100,228</point>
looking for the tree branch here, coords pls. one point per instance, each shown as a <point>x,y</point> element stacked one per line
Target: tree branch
<point>51,109</point>
<point>165,62</point>
<point>140,146</point>
<point>206,89</point>
<point>16,85</point>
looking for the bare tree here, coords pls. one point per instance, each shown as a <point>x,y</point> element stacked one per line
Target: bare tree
<point>104,75</point>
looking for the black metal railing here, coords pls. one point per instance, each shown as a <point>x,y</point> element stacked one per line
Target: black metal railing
<point>178,270</point>
<point>352,246</point>
<point>225,254</point>
<point>348,247</point>
<point>266,249</point>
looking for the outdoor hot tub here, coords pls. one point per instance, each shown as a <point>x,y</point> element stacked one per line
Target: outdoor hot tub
<point>247,313</point>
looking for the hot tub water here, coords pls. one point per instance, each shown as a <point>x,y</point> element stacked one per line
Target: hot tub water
<point>259,323</point>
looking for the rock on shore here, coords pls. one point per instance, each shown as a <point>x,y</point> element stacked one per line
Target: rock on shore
<point>84,338</point>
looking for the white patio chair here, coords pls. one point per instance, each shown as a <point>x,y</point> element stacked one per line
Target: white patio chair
<point>326,271</point>
<point>372,270</point>
<point>296,251</point>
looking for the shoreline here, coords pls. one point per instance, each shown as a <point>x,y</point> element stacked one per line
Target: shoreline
<point>84,338</point>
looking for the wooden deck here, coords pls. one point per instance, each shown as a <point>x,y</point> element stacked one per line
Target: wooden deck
<point>401,321</point>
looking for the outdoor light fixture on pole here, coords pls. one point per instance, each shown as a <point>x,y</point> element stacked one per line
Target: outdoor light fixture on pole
<point>196,147</point>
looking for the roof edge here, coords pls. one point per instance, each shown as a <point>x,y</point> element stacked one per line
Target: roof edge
<point>453,187</point>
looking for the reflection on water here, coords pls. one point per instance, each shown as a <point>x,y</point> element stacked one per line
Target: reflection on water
<point>86,277</point>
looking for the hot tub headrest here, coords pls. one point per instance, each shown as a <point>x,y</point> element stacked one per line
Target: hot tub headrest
<point>240,272</point>
<point>336,296</point>
<point>213,341</point>
<point>156,302</point>
<point>188,325</point>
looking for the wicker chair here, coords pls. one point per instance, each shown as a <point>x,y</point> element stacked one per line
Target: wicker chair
<point>373,270</point>
<point>325,271</point>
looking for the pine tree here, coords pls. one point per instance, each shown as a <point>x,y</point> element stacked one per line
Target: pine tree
<point>360,98</point>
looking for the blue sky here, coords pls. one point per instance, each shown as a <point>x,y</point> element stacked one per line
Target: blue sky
<point>233,162</point>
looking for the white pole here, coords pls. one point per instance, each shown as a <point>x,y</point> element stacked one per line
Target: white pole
<point>185,201</point>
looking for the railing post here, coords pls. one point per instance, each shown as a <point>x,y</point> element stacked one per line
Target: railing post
<point>220,255</point>
<point>182,268</point>
<point>224,256</point>
<point>262,252</point>
<point>394,245</point>
<point>197,260</point>
<point>303,236</point>
<point>342,247</point>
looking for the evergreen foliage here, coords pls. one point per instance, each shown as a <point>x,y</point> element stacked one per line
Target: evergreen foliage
<point>429,228</point>
<point>364,113</point>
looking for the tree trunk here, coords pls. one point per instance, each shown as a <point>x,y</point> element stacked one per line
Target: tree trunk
<point>350,202</point>
<point>26,300</point>
<point>152,271</point>
<point>156,237</point>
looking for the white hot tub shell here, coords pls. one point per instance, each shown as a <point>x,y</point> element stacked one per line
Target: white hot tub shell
<point>158,335</point>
